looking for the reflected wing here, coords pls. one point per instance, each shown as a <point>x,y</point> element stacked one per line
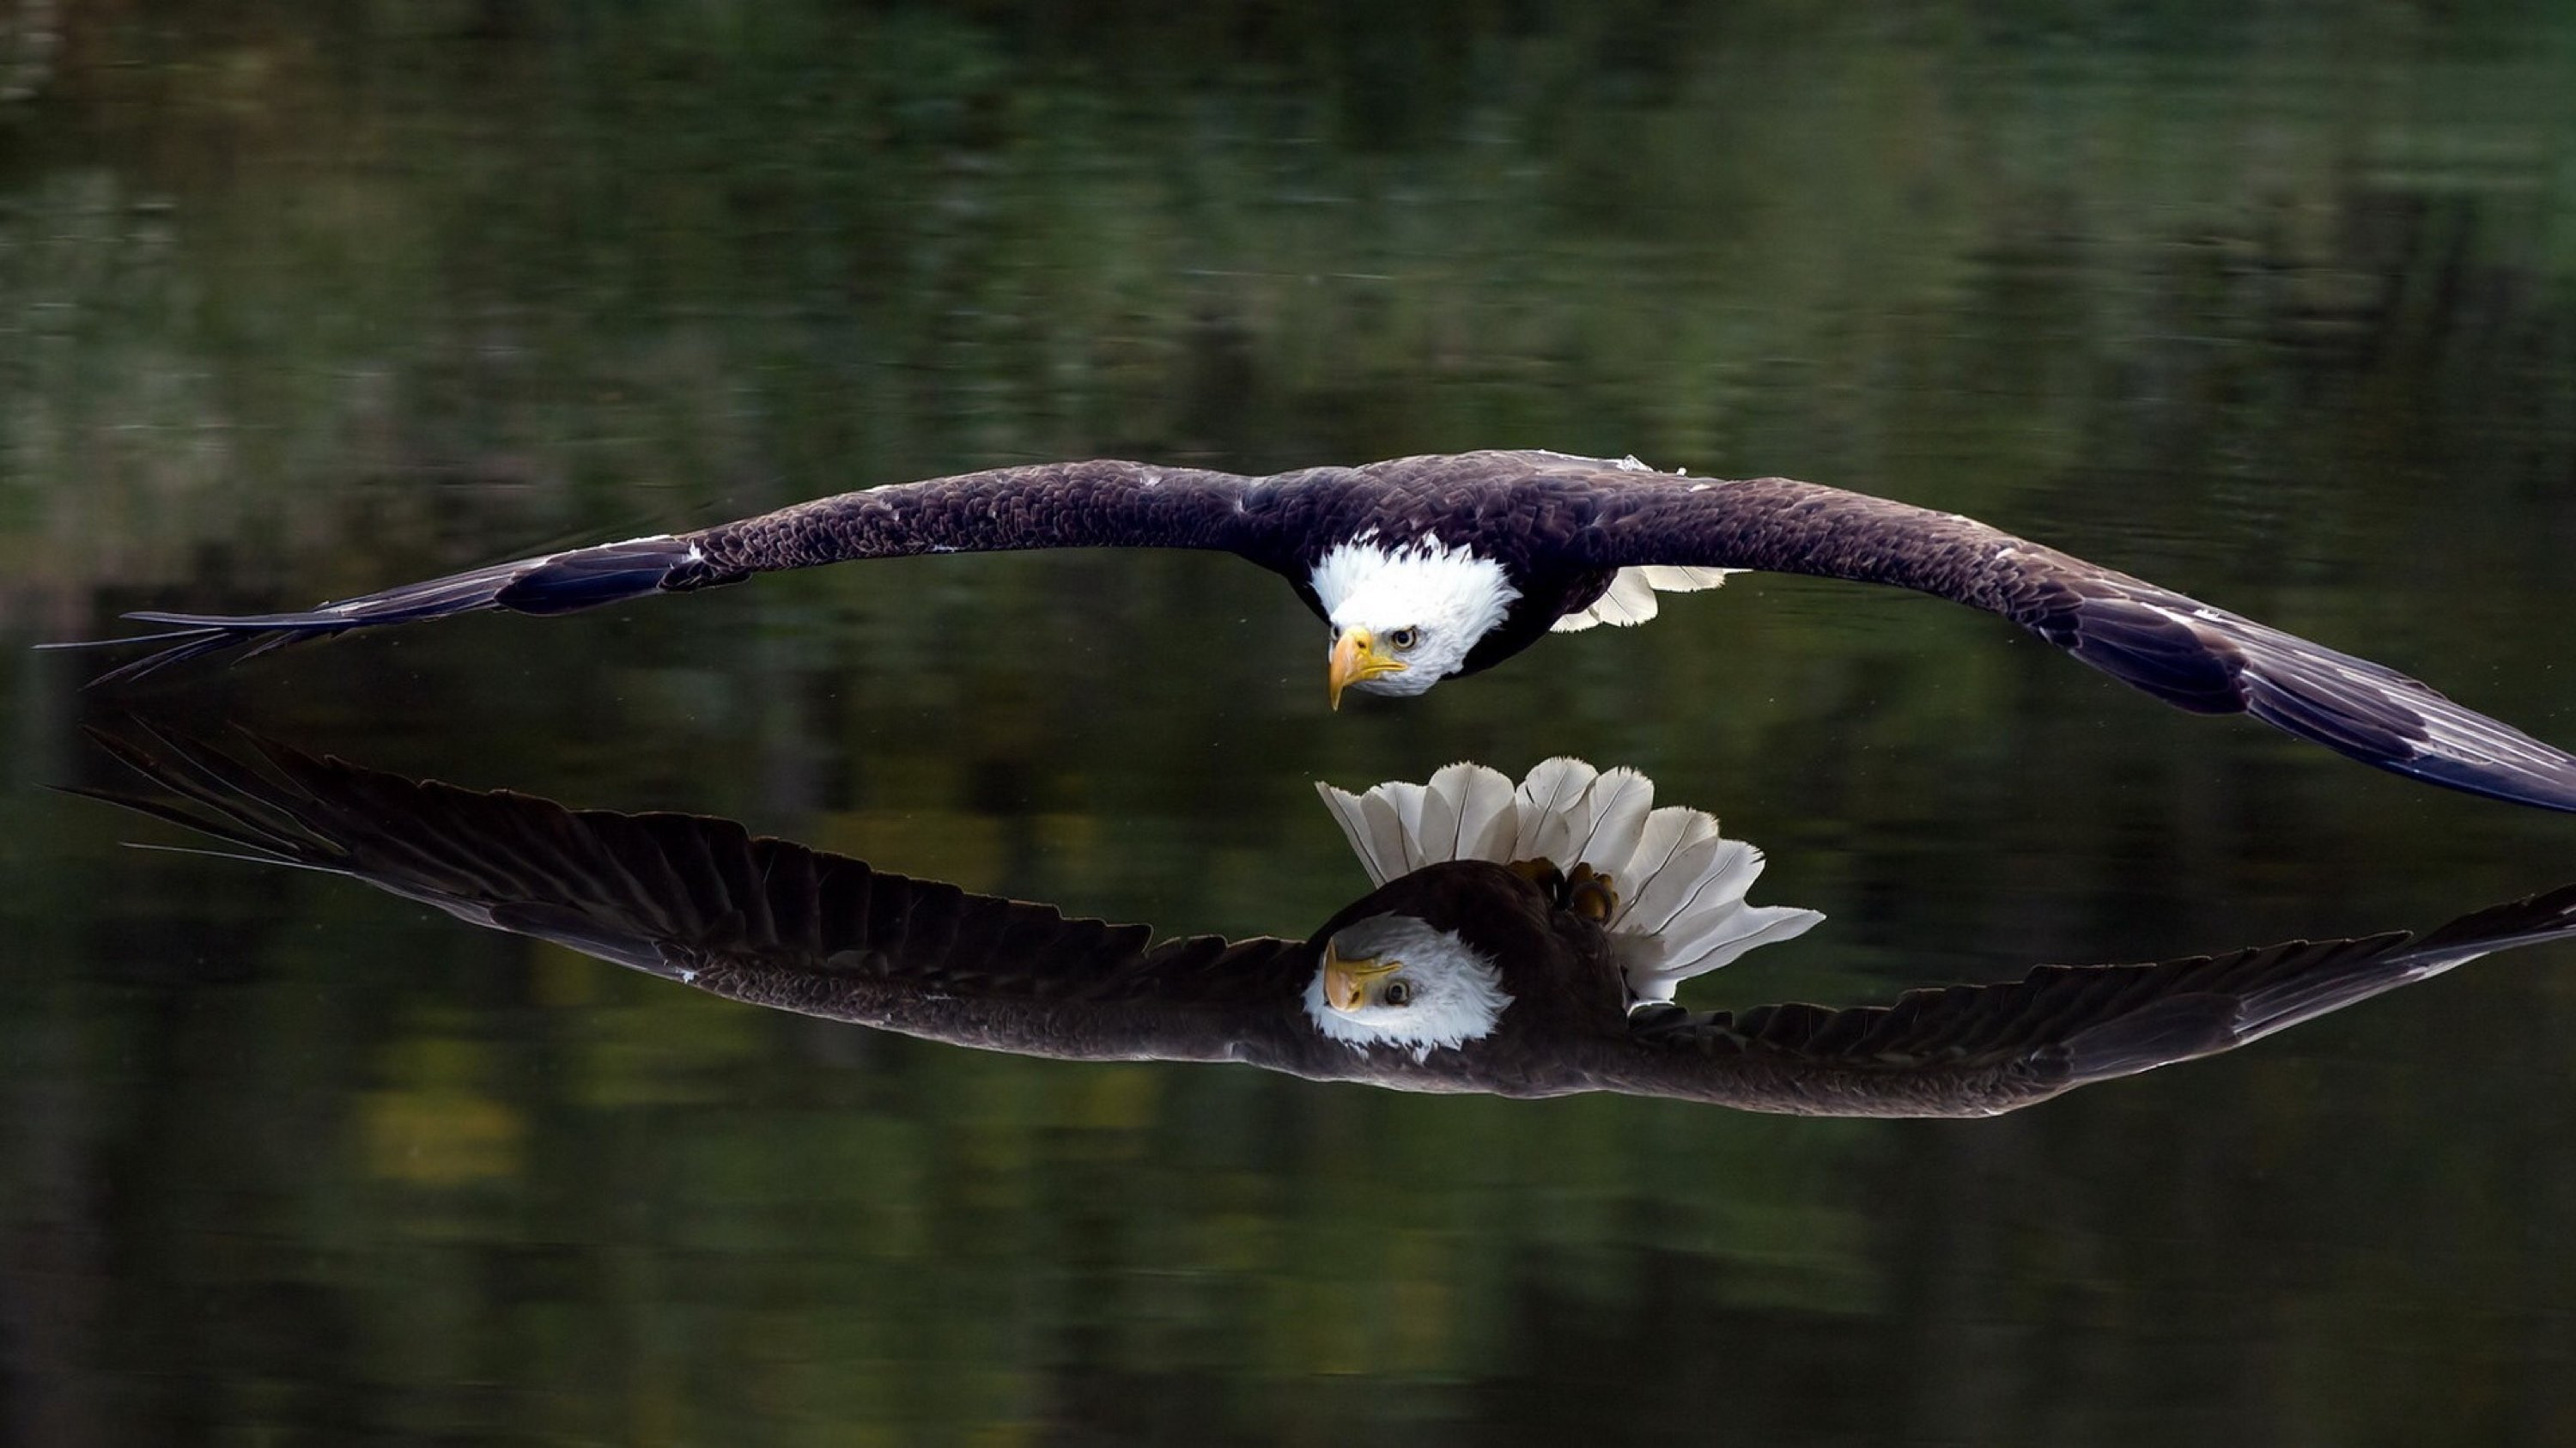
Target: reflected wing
<point>1103,504</point>
<point>2172,646</point>
<point>1983,1050</point>
<point>761,920</point>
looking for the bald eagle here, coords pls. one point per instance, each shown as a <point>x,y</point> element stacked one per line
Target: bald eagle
<point>1473,965</point>
<point>1428,567</point>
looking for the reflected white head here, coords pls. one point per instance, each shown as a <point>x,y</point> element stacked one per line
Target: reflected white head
<point>1393,980</point>
<point>1404,617</point>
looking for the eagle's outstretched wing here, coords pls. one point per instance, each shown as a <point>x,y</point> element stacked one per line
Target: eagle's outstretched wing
<point>2177,648</point>
<point>756,919</point>
<point>1983,1050</point>
<point>772,923</point>
<point>1562,515</point>
<point>1100,504</point>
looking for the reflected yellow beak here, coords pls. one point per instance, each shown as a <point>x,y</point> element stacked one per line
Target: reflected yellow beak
<point>1346,981</point>
<point>1356,657</point>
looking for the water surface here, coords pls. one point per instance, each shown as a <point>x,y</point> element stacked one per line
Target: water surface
<point>2276,309</point>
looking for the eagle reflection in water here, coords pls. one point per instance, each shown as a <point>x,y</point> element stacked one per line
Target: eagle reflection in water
<point>1519,940</point>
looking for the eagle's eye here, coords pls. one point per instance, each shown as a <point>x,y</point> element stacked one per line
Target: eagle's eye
<point>1397,993</point>
<point>1404,638</point>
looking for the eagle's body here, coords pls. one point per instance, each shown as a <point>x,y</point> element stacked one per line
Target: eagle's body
<point>1428,567</point>
<point>1570,988</point>
<point>1207,999</point>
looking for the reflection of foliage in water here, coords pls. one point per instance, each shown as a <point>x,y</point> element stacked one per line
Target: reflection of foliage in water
<point>29,36</point>
<point>297,309</point>
<point>729,257</point>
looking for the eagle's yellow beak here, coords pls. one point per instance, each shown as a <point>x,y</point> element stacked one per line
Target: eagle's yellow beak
<point>1356,657</point>
<point>1346,981</point>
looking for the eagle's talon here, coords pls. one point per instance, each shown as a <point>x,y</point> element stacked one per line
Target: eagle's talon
<point>1587,892</point>
<point>1591,894</point>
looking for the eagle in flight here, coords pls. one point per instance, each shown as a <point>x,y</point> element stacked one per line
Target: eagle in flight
<point>1519,941</point>
<point>1428,567</point>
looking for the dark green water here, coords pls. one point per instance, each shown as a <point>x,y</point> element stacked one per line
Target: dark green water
<point>2271,305</point>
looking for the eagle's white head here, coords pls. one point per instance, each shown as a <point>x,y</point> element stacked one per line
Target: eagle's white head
<point>1405,615</point>
<point>1394,980</point>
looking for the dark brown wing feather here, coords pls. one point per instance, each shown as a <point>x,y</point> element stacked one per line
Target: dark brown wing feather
<point>772,923</point>
<point>2175,647</point>
<point>1983,1050</point>
<point>761,920</point>
<point>1099,504</point>
<point>1573,521</point>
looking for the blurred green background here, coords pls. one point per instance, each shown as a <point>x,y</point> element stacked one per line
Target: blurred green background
<point>2273,303</point>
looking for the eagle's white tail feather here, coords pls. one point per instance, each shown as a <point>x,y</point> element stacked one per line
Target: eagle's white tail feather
<point>1619,805</point>
<point>1665,578</point>
<point>1681,884</point>
<point>1716,917</point>
<point>1656,900</point>
<point>1434,830</point>
<point>1408,825</point>
<point>1630,599</point>
<point>1348,813</point>
<point>1668,831</point>
<point>1653,971</point>
<point>1387,852</point>
<point>1487,823</point>
<point>1554,790</point>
